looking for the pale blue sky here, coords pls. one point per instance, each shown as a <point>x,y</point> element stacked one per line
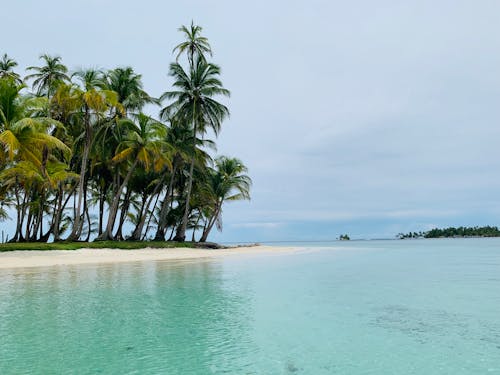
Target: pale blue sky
<point>366,117</point>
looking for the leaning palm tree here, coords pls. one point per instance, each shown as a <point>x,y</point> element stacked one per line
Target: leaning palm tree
<point>47,77</point>
<point>228,182</point>
<point>193,103</point>
<point>142,146</point>
<point>194,44</point>
<point>6,68</point>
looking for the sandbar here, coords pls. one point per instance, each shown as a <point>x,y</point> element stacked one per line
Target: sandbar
<point>47,258</point>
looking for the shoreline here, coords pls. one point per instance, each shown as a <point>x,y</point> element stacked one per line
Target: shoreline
<point>47,258</point>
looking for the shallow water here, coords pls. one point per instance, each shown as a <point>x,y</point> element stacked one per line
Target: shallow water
<point>373,307</point>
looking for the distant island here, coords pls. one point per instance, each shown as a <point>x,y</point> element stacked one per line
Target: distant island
<point>451,232</point>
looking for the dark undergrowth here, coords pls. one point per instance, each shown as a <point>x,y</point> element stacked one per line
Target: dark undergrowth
<point>122,245</point>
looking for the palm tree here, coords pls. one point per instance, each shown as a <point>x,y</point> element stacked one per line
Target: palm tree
<point>38,185</point>
<point>228,182</point>
<point>147,186</point>
<point>93,103</point>
<point>128,85</point>
<point>142,145</point>
<point>193,103</point>
<point>24,137</point>
<point>61,180</point>
<point>28,150</point>
<point>47,77</point>
<point>6,68</point>
<point>22,179</point>
<point>180,138</point>
<point>67,147</point>
<point>194,45</point>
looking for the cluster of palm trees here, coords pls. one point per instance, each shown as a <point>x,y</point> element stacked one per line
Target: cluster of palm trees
<point>79,159</point>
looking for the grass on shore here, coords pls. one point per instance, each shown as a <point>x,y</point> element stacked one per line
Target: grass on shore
<point>123,245</point>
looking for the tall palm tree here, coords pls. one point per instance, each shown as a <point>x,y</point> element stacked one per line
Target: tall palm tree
<point>6,68</point>
<point>193,103</point>
<point>228,182</point>
<point>194,44</point>
<point>47,77</point>
<point>93,103</point>
<point>142,146</point>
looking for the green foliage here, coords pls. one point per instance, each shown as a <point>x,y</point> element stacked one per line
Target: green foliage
<point>411,235</point>
<point>192,102</point>
<point>487,231</point>
<point>194,44</point>
<point>78,156</point>
<point>121,245</point>
<point>128,85</point>
<point>48,76</point>
<point>7,66</point>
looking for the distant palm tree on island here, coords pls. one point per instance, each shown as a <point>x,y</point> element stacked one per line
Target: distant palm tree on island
<point>78,157</point>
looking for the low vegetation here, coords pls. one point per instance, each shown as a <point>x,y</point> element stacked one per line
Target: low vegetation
<point>123,245</point>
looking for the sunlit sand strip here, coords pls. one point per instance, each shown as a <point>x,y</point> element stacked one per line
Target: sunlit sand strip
<point>34,258</point>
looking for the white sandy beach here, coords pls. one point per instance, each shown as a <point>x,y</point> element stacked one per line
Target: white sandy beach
<point>46,258</point>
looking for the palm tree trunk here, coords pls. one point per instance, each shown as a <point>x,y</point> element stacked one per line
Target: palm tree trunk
<point>77,226</point>
<point>89,223</point>
<point>211,223</point>
<point>123,215</point>
<point>136,235</point>
<point>38,218</point>
<point>18,216</point>
<point>171,234</point>
<point>151,215</point>
<point>23,215</point>
<point>28,225</point>
<point>142,213</point>
<point>195,226</point>
<point>57,204</point>
<point>57,214</point>
<point>165,208</point>
<point>102,199</point>
<point>56,225</point>
<point>181,233</point>
<point>113,210</point>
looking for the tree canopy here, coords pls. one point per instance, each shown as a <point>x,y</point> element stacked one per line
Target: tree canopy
<point>487,231</point>
<point>80,158</point>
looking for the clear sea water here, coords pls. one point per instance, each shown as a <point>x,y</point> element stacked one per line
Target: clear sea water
<point>374,307</point>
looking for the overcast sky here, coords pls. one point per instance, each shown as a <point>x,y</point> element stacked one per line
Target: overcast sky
<point>359,117</point>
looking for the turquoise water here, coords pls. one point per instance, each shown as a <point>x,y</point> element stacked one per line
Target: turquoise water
<point>376,307</point>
